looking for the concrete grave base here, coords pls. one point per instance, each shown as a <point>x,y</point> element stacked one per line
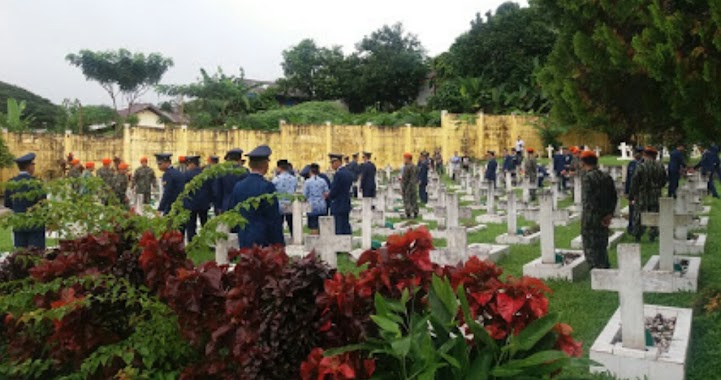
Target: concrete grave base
<point>577,242</point>
<point>519,239</point>
<point>619,223</point>
<point>571,272</point>
<point>491,219</point>
<point>571,218</point>
<point>490,252</point>
<point>700,224</point>
<point>296,250</point>
<point>627,363</point>
<point>671,282</point>
<point>690,247</point>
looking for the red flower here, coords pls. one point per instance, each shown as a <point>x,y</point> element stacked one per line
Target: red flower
<point>566,343</point>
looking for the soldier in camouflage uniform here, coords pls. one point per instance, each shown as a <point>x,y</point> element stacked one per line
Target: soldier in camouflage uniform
<point>106,173</point>
<point>144,180</point>
<point>120,183</point>
<point>646,184</point>
<point>530,171</point>
<point>599,204</point>
<point>76,169</point>
<point>409,186</point>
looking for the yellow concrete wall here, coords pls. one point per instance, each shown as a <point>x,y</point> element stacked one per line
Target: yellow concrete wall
<point>300,144</point>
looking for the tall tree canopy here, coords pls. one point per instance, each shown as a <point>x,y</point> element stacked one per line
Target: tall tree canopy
<point>386,71</point>
<point>121,73</point>
<point>651,66</point>
<point>491,67</point>
<point>313,71</point>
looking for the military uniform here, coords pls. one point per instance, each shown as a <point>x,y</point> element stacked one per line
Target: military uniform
<point>530,168</point>
<point>106,174</point>
<point>223,186</point>
<point>409,188</point>
<point>144,180</point>
<point>599,201</point>
<point>646,185</point>
<point>74,172</point>
<point>173,184</point>
<point>198,203</point>
<point>368,178</point>
<point>630,171</point>
<point>119,185</point>
<point>265,224</point>
<point>423,167</point>
<point>339,197</point>
<point>33,236</point>
<point>675,166</point>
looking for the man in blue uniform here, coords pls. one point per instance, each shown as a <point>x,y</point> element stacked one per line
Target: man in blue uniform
<point>509,163</point>
<point>423,167</point>
<point>676,165</point>
<point>630,170</point>
<point>559,166</point>
<point>491,168</point>
<point>339,195</point>
<point>708,165</point>
<point>354,168</point>
<point>225,185</point>
<point>265,223</point>
<point>198,203</point>
<point>173,182</point>
<point>368,176</point>
<point>34,236</point>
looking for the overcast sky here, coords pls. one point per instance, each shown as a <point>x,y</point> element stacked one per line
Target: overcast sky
<point>36,35</point>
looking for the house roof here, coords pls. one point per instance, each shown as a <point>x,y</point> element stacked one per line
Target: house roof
<point>175,117</point>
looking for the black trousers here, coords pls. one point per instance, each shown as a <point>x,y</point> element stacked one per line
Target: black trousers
<point>27,239</point>
<point>423,193</point>
<point>192,226</point>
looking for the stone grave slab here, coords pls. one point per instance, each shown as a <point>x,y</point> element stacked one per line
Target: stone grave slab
<point>621,348</point>
<point>613,240</point>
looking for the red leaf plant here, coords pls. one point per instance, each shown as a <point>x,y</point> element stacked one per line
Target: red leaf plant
<point>502,307</point>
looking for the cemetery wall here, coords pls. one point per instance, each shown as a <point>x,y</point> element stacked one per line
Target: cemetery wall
<point>301,144</point>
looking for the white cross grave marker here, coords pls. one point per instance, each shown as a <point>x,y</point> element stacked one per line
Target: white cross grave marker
<point>665,220</point>
<point>452,210</point>
<point>623,147</point>
<point>511,215</point>
<point>221,246</point>
<point>297,208</point>
<point>329,243</point>
<point>630,282</point>
<point>546,219</point>
<point>550,150</point>
<point>366,223</point>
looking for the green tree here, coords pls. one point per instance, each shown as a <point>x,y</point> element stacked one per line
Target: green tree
<point>215,100</point>
<point>45,113</point>
<point>16,119</point>
<point>386,71</point>
<point>312,70</point>
<point>502,52</point>
<point>636,67</point>
<point>122,73</point>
